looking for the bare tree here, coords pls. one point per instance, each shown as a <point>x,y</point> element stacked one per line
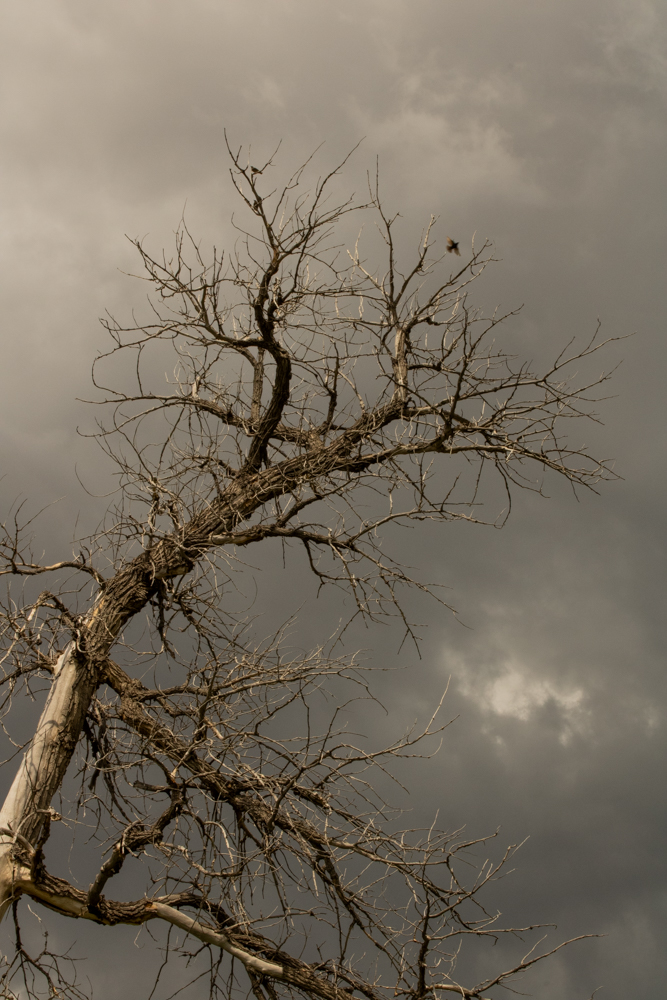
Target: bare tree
<point>316,398</point>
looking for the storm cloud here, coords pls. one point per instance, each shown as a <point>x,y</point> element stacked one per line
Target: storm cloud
<point>539,125</point>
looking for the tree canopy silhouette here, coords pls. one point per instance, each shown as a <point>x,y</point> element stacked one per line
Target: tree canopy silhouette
<point>297,388</point>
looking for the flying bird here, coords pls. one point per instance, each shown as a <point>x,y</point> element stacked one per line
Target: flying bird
<point>453,247</point>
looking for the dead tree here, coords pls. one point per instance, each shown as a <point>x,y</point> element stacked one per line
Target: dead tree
<point>315,396</point>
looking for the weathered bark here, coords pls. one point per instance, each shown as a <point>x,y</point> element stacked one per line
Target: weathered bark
<point>57,894</point>
<point>45,762</point>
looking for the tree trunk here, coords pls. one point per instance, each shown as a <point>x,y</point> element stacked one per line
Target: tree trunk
<point>45,762</point>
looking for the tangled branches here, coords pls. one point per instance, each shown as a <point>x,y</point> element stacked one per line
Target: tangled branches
<point>317,399</point>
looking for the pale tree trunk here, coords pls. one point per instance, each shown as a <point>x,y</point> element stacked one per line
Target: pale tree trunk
<point>44,764</point>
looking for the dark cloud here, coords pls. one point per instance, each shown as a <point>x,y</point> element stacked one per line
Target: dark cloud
<point>540,125</point>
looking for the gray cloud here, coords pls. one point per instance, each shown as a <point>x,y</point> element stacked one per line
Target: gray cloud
<point>540,125</point>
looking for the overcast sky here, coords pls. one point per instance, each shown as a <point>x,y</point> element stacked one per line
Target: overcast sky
<point>538,124</point>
